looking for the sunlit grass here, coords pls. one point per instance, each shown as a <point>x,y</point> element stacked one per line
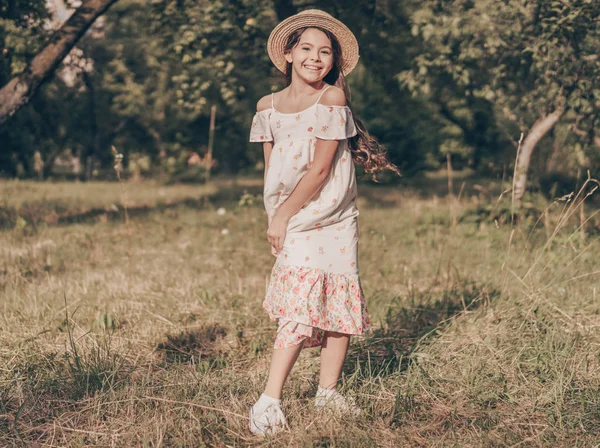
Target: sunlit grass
<point>153,334</point>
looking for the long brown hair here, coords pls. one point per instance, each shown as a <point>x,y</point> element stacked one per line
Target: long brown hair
<point>365,149</point>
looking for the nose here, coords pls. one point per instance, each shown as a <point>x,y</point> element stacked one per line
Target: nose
<point>315,55</point>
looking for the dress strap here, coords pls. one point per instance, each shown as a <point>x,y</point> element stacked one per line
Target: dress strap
<point>322,92</point>
<point>273,100</point>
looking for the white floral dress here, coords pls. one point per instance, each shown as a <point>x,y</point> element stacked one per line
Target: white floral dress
<point>314,283</point>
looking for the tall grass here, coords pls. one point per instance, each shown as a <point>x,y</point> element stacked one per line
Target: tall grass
<point>152,333</point>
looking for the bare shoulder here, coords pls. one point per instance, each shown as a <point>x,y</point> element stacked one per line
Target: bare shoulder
<point>264,103</point>
<point>333,96</point>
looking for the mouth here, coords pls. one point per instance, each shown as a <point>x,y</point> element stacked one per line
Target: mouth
<point>312,68</point>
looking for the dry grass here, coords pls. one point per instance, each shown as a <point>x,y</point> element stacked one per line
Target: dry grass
<point>152,333</point>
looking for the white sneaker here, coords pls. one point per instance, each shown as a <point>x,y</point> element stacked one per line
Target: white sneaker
<point>334,401</point>
<point>270,421</point>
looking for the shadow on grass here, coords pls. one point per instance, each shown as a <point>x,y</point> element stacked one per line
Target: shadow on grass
<point>224,197</point>
<point>48,386</point>
<point>426,188</point>
<point>57,213</point>
<point>53,213</point>
<point>389,349</point>
<point>230,190</point>
<point>193,345</point>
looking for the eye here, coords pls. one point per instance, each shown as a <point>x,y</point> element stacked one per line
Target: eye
<point>326,52</point>
<point>305,48</point>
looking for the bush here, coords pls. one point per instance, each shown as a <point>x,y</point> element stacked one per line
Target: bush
<point>557,184</point>
<point>186,168</point>
<point>532,207</point>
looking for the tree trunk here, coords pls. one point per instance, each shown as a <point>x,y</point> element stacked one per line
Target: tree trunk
<point>157,144</point>
<point>538,130</point>
<point>552,164</point>
<point>21,89</point>
<point>94,150</point>
<point>51,158</point>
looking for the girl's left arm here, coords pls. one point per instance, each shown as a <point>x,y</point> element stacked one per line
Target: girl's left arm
<point>310,183</point>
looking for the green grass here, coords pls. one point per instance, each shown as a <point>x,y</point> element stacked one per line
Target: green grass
<point>151,333</point>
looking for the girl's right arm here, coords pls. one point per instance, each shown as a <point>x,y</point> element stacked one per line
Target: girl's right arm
<point>267,149</point>
<point>265,103</point>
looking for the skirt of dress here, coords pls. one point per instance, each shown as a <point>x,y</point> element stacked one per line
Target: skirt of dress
<point>315,286</point>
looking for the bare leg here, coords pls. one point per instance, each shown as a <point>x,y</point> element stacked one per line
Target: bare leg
<point>333,353</point>
<point>281,364</point>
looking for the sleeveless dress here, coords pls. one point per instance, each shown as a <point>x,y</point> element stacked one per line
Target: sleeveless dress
<point>314,283</point>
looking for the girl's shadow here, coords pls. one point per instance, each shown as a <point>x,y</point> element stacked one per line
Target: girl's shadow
<point>388,349</point>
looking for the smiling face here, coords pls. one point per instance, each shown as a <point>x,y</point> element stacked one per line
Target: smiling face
<point>312,57</point>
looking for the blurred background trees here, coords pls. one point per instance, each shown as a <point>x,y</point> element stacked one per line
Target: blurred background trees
<point>496,69</point>
<point>437,80</point>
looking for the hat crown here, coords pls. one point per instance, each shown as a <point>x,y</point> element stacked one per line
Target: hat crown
<point>315,11</point>
<point>307,19</point>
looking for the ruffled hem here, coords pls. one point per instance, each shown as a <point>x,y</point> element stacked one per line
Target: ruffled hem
<point>317,298</point>
<point>291,333</point>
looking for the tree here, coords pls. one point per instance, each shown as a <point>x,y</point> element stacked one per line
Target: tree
<point>19,90</point>
<point>532,61</point>
<point>217,51</point>
<point>406,125</point>
<point>155,69</point>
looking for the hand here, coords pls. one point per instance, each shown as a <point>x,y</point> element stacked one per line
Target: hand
<point>276,233</point>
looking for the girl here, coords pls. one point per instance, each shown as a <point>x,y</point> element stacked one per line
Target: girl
<point>310,140</point>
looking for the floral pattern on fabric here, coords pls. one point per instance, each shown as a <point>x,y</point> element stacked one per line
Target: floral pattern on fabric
<point>314,285</point>
<point>317,298</point>
<point>290,333</point>
<point>293,155</point>
<point>335,122</point>
<point>261,129</point>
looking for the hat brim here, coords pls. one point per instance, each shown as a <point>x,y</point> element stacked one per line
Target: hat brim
<point>307,19</point>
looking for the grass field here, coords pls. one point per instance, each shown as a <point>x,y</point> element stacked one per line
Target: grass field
<point>146,329</point>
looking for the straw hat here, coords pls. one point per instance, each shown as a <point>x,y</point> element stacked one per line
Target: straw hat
<point>313,18</point>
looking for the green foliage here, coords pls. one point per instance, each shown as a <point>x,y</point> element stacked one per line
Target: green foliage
<point>158,69</point>
<point>22,34</point>
<point>503,213</point>
<point>250,200</point>
<point>177,169</point>
<point>98,369</point>
<point>473,75</point>
<point>515,59</point>
<point>217,52</point>
<point>557,184</point>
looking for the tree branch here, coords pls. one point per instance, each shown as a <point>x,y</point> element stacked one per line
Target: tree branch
<point>22,88</point>
<point>586,134</point>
